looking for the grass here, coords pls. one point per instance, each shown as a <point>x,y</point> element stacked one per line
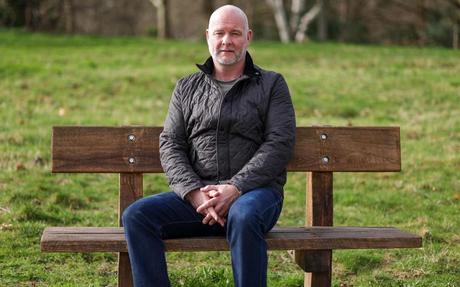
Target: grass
<point>61,80</point>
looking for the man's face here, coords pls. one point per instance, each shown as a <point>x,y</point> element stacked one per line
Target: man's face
<point>228,38</point>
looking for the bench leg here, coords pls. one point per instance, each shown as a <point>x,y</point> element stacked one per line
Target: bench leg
<point>322,277</point>
<point>319,213</point>
<point>317,266</point>
<point>131,189</point>
<point>125,279</point>
<point>318,279</point>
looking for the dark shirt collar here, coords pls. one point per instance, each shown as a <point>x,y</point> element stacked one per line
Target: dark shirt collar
<point>249,67</point>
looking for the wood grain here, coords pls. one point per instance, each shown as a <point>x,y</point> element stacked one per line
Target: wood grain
<point>131,189</point>
<point>105,149</point>
<point>125,278</point>
<point>346,149</point>
<point>319,212</point>
<point>111,239</point>
<point>108,149</point>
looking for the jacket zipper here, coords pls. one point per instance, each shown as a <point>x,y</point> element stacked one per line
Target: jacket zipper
<point>218,124</point>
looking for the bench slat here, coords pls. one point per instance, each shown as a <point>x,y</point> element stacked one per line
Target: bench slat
<point>96,239</point>
<point>108,149</point>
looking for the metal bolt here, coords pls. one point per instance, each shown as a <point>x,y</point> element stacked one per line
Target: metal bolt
<point>131,160</point>
<point>325,159</point>
<point>131,138</point>
<point>323,137</point>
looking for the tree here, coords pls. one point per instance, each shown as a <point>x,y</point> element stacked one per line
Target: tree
<point>298,23</point>
<point>455,19</point>
<point>160,5</point>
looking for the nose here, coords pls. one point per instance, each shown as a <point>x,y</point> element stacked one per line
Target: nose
<point>226,40</point>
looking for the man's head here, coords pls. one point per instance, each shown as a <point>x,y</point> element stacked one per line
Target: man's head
<point>228,35</point>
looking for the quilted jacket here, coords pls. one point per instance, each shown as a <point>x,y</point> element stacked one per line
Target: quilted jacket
<point>244,137</point>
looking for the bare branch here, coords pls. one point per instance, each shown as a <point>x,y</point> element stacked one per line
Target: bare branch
<point>280,19</point>
<point>297,7</point>
<point>161,17</point>
<point>306,20</point>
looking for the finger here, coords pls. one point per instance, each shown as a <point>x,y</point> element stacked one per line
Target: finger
<point>213,193</point>
<point>213,213</point>
<point>212,222</point>
<point>221,221</point>
<point>222,213</point>
<point>208,188</point>
<point>221,208</point>
<point>208,218</point>
<point>206,204</point>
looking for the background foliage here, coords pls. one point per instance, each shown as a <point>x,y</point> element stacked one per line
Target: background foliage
<point>404,22</point>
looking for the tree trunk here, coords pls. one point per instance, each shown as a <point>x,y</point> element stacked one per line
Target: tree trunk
<point>297,7</point>
<point>455,36</point>
<point>322,22</point>
<point>160,5</point>
<point>280,19</point>
<point>455,23</point>
<point>306,20</point>
<point>68,14</point>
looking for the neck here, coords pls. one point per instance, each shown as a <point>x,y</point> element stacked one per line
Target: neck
<point>228,73</point>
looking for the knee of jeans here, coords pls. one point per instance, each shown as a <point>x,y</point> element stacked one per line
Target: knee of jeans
<point>128,215</point>
<point>243,218</point>
<point>133,213</point>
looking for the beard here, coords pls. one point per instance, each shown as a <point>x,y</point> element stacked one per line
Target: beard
<point>227,61</point>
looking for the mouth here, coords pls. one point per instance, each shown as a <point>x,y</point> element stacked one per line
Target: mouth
<point>226,51</point>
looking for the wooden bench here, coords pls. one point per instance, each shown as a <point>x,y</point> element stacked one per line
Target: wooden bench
<point>319,151</point>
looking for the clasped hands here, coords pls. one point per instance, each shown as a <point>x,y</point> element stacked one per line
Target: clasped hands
<point>213,202</point>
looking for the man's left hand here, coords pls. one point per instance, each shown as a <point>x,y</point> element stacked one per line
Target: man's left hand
<point>222,197</point>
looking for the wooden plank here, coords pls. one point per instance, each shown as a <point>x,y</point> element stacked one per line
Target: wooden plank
<point>97,239</point>
<point>131,189</point>
<point>346,149</point>
<point>319,212</point>
<point>108,149</point>
<point>319,199</point>
<point>125,278</point>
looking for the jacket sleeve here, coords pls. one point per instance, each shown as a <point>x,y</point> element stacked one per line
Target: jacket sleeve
<point>272,156</point>
<point>174,149</point>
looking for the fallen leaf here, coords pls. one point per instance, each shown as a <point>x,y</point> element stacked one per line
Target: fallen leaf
<point>20,166</point>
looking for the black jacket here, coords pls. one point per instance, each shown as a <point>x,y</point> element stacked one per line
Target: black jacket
<point>244,137</point>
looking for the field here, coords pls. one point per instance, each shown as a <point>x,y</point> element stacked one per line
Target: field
<point>60,80</point>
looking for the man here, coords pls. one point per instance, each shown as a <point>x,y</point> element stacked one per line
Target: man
<point>227,139</point>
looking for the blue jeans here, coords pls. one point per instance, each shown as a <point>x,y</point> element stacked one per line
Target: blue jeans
<point>165,215</point>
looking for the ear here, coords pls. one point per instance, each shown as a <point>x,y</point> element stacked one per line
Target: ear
<point>207,34</point>
<point>249,35</point>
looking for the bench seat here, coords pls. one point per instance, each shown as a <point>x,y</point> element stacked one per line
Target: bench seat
<point>111,239</point>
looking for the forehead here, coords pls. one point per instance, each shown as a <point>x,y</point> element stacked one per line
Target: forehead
<point>227,20</point>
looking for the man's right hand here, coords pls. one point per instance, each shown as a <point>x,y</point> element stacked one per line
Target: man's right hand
<point>196,198</point>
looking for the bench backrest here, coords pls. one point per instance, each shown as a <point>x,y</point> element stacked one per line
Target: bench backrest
<point>135,149</point>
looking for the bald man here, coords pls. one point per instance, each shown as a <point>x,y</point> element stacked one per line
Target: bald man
<point>227,139</point>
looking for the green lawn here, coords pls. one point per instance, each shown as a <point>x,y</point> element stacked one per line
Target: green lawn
<point>61,80</point>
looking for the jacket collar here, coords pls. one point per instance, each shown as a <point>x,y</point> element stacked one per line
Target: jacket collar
<point>249,67</point>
